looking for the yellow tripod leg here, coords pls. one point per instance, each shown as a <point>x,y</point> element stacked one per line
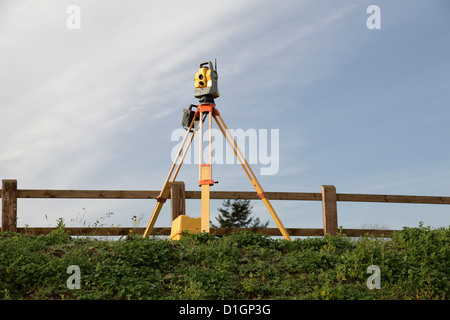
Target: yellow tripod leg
<point>205,175</point>
<point>164,195</point>
<point>168,184</point>
<point>205,208</point>
<point>276,219</point>
<point>152,221</point>
<point>269,207</point>
<point>237,152</point>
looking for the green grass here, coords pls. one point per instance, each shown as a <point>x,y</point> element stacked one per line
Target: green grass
<point>414,264</point>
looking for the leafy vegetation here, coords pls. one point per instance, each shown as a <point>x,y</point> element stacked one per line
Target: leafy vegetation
<point>414,264</point>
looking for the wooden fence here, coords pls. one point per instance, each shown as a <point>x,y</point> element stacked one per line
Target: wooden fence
<point>328,196</point>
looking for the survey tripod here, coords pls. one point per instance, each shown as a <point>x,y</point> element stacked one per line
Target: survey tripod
<point>206,90</point>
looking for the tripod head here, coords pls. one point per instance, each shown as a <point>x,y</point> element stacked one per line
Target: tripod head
<point>206,87</point>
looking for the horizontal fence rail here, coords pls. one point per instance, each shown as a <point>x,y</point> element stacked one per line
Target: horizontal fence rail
<point>152,194</point>
<point>328,196</point>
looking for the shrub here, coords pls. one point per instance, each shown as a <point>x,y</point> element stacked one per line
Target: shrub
<point>414,264</point>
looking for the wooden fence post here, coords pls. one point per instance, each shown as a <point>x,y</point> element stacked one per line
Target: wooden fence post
<point>329,206</point>
<point>9,205</point>
<point>178,199</point>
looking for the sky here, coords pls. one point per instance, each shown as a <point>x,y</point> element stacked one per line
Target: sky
<point>90,99</point>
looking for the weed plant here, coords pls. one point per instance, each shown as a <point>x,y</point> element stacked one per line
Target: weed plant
<point>414,264</point>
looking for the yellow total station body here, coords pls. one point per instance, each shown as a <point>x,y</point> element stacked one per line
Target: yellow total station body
<point>205,81</point>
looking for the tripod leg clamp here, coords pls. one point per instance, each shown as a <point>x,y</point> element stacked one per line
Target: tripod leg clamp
<point>164,192</point>
<point>258,189</point>
<point>161,199</point>
<point>203,182</point>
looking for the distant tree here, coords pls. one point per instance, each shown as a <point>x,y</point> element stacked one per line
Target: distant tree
<point>237,214</point>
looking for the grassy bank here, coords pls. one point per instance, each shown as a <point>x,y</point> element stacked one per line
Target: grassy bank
<point>414,264</point>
